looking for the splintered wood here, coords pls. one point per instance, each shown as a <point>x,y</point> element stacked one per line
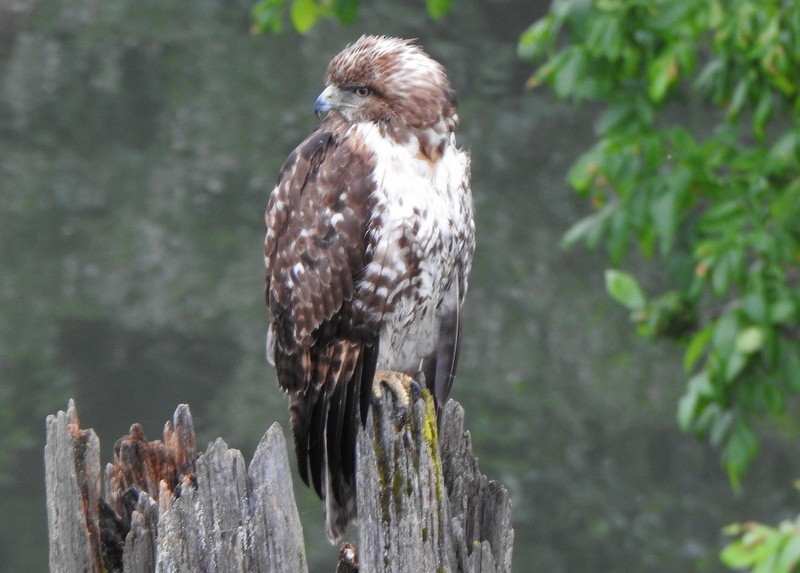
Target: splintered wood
<point>166,507</point>
<point>423,503</point>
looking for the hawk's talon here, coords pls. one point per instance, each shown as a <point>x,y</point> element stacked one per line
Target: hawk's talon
<point>403,388</point>
<point>414,391</point>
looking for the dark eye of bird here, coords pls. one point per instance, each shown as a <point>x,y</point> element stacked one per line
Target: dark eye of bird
<point>362,91</point>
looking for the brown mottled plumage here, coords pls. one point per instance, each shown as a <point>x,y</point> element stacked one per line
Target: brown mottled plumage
<point>369,243</point>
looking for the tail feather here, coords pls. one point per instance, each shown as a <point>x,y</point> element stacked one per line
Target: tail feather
<point>317,455</point>
<point>339,515</point>
<point>368,373</point>
<point>299,415</point>
<point>326,416</point>
<point>351,418</point>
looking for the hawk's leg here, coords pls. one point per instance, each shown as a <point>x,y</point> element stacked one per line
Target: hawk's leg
<point>403,388</point>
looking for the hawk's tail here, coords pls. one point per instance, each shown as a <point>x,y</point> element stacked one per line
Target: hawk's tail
<point>325,424</point>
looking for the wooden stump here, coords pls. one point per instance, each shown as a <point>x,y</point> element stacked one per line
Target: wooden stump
<point>424,510</point>
<point>72,474</point>
<point>423,504</point>
<point>166,508</point>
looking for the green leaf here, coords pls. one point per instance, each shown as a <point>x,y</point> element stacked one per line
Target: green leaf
<point>716,14</point>
<point>720,427</point>
<point>734,365</point>
<point>267,15</point>
<point>754,306</point>
<point>790,555</point>
<point>763,112</point>
<point>739,451</point>
<point>786,205</point>
<point>709,76</point>
<point>346,10</point>
<point>662,73</point>
<point>438,8</point>
<point>784,149</point>
<point>762,542</point>
<point>782,311</point>
<point>624,289</point>
<point>750,339</point>
<point>698,386</point>
<point>305,13</point>
<point>618,235</point>
<point>723,212</point>
<point>705,418</point>
<point>773,398</point>
<point>664,220</point>
<point>606,37</point>
<point>537,39</point>
<point>720,276</point>
<point>725,332</point>
<point>697,346</point>
<point>582,174</point>
<point>586,228</point>
<point>568,69</point>
<point>686,409</point>
<point>737,555</point>
<point>738,99</point>
<point>791,362</point>
<point>701,384</point>
<point>615,117</point>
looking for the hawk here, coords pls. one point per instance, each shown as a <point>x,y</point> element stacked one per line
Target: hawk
<point>369,243</point>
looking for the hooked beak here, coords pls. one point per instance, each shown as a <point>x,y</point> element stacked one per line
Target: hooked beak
<point>325,102</point>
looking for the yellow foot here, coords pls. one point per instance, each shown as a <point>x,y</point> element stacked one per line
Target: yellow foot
<point>403,388</point>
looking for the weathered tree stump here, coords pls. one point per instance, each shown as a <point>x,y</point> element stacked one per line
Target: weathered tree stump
<point>167,508</point>
<point>424,510</point>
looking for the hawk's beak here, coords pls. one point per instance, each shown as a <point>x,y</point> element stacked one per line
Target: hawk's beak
<point>326,101</point>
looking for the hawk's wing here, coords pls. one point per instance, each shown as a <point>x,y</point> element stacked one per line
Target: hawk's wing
<point>317,221</point>
<point>440,367</point>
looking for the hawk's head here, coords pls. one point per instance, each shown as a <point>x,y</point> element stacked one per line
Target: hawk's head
<point>391,81</point>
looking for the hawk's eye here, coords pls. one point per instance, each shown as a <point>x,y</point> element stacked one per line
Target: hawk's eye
<point>362,91</point>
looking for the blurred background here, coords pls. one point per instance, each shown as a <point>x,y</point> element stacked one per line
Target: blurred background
<point>139,140</point>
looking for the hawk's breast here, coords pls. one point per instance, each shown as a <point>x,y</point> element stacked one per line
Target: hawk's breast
<point>419,245</point>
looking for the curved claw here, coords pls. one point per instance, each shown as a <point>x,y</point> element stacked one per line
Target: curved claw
<point>403,388</point>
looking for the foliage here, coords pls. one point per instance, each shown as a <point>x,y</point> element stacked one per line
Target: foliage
<point>268,14</point>
<point>763,548</point>
<point>711,188</point>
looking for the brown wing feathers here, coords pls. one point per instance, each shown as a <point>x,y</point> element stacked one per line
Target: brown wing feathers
<point>315,250</point>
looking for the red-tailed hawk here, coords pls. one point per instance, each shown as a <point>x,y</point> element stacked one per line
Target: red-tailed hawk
<point>369,243</point>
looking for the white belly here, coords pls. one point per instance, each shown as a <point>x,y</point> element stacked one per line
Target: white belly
<point>424,211</point>
<point>410,333</point>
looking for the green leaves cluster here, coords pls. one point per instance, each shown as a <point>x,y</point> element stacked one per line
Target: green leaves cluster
<point>268,14</point>
<point>764,549</point>
<point>712,187</point>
